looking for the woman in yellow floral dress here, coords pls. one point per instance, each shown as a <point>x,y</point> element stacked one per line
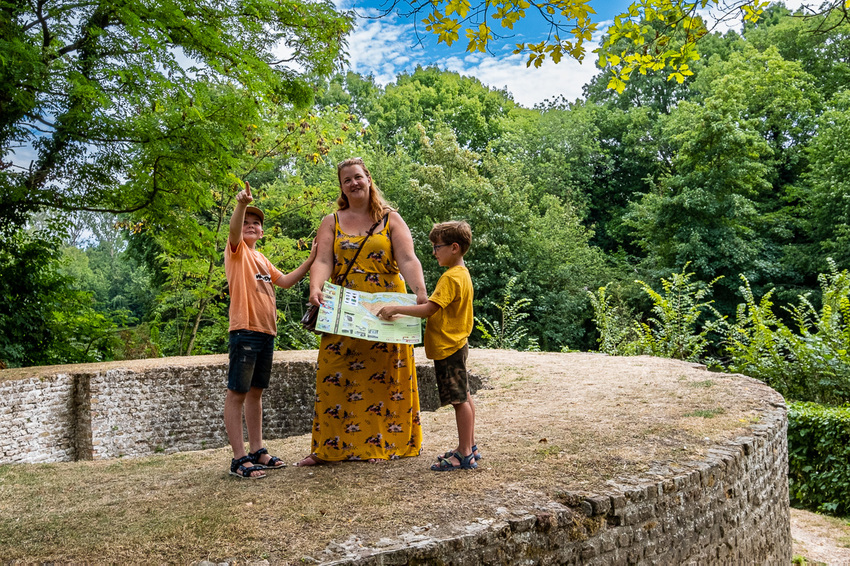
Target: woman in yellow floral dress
<point>367,400</point>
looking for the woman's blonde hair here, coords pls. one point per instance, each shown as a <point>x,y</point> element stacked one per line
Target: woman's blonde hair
<point>378,206</point>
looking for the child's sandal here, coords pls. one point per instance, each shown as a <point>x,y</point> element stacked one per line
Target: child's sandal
<point>273,463</point>
<point>243,472</point>
<point>450,453</point>
<point>445,465</point>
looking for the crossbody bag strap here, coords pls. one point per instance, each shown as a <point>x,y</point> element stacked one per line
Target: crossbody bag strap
<point>363,243</point>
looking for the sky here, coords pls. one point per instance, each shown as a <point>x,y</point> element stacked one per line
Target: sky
<point>387,46</point>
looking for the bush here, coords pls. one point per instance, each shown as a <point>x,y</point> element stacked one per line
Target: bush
<point>808,363</point>
<point>818,452</point>
<point>676,329</point>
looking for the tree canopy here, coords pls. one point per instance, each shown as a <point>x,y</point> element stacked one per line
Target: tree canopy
<point>102,92</point>
<point>650,36</point>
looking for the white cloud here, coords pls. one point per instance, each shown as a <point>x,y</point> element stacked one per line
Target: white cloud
<point>384,48</point>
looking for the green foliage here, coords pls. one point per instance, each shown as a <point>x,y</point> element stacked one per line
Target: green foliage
<point>809,361</point>
<point>818,452</point>
<point>45,318</point>
<point>829,198</point>
<point>445,101</point>
<point>675,330</point>
<point>718,171</point>
<point>614,323</point>
<point>508,333</point>
<point>97,76</point>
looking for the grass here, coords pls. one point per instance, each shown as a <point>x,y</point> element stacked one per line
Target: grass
<point>706,413</point>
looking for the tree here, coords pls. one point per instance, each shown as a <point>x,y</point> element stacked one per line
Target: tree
<point>189,239</point>
<point>472,112</point>
<point>828,199</point>
<point>704,212</point>
<point>660,35</point>
<point>85,83</point>
<point>818,43</point>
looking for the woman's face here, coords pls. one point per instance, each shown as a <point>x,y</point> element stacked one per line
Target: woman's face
<point>354,182</point>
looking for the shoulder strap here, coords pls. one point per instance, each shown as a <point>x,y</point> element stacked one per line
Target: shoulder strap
<point>363,243</point>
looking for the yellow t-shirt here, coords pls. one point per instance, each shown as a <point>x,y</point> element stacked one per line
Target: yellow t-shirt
<point>448,329</point>
<point>251,277</point>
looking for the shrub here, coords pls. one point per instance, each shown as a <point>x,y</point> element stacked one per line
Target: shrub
<point>818,452</point>
<point>810,362</point>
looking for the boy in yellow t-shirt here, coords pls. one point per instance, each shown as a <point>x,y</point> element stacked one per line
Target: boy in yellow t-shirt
<point>449,314</point>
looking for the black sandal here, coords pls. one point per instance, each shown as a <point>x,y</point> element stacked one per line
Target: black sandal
<point>241,471</point>
<point>273,463</point>
<point>450,453</point>
<point>445,465</point>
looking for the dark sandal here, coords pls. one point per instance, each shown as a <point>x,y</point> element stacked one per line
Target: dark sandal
<point>450,453</point>
<point>241,471</point>
<point>445,465</point>
<point>273,463</point>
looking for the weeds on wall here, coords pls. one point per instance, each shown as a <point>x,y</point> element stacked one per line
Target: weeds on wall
<point>807,359</point>
<point>677,328</point>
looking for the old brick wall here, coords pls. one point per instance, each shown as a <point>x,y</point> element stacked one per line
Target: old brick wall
<point>38,419</point>
<point>731,508</point>
<point>136,408</point>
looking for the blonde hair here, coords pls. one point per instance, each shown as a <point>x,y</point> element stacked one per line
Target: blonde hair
<point>452,232</point>
<point>378,206</point>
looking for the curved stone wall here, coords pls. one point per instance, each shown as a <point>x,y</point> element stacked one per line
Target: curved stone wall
<point>729,507</point>
<point>732,508</point>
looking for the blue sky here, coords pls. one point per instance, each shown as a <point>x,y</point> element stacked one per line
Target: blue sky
<point>388,46</point>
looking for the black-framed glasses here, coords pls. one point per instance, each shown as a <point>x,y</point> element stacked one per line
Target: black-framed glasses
<point>438,246</point>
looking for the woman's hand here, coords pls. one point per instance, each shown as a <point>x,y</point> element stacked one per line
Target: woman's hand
<point>317,298</point>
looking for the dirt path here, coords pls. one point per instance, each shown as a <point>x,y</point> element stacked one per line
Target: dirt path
<point>820,539</point>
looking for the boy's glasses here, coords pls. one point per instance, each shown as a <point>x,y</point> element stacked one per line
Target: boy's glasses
<point>438,246</point>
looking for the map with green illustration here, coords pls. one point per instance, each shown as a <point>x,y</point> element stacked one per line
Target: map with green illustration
<point>353,313</point>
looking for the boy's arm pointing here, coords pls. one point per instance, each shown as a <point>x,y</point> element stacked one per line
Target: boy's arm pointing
<point>242,200</point>
<point>423,310</point>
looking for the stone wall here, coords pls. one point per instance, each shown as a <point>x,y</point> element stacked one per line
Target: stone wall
<point>731,508</point>
<point>138,408</point>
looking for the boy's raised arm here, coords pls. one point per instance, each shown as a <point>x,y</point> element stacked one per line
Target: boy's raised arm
<point>243,199</point>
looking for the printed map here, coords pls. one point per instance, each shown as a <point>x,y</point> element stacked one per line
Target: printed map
<point>352,313</point>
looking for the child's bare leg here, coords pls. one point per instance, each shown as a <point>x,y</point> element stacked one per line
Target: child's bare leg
<point>472,408</point>
<point>233,403</point>
<point>465,419</point>
<point>254,418</point>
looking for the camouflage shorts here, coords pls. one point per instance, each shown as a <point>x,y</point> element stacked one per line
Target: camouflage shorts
<point>452,379</point>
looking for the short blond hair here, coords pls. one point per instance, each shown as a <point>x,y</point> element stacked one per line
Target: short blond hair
<point>452,232</point>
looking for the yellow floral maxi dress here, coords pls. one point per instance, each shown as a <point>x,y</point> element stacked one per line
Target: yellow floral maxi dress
<point>367,400</point>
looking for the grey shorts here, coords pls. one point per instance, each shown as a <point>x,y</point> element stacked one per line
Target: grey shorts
<point>251,355</point>
<point>452,378</point>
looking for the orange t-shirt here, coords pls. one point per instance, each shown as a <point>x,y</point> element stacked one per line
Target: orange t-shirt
<point>251,277</point>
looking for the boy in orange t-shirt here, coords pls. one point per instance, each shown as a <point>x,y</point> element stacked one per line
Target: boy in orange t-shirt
<point>253,326</point>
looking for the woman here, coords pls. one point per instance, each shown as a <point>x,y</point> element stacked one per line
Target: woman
<point>367,402</point>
